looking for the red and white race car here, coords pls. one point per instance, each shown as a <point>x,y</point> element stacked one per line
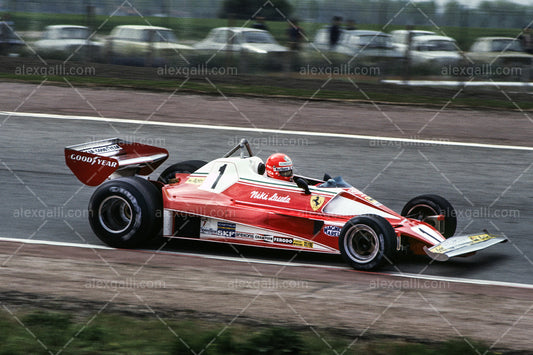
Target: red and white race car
<point>231,200</point>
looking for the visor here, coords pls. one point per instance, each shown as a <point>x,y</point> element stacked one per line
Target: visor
<point>285,172</point>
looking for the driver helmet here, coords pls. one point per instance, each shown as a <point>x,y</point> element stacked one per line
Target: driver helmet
<point>279,166</point>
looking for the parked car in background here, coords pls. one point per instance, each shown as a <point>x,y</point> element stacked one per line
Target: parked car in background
<point>362,44</point>
<point>400,38</point>
<point>505,51</point>
<point>68,40</point>
<point>144,46</point>
<point>10,44</point>
<point>239,39</point>
<point>434,50</point>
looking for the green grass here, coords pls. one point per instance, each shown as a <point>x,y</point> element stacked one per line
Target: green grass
<point>372,92</point>
<point>40,332</point>
<point>195,28</point>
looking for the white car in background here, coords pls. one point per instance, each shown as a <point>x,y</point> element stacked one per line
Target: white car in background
<point>68,40</point>
<point>505,51</point>
<point>435,50</point>
<point>400,38</point>
<point>240,39</point>
<point>359,44</point>
<point>144,46</point>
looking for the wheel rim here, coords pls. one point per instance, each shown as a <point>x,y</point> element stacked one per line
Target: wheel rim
<point>361,243</point>
<point>421,212</point>
<point>115,214</point>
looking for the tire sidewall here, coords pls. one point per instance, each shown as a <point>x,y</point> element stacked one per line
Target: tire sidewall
<point>439,204</point>
<point>145,205</point>
<point>188,166</point>
<point>385,234</point>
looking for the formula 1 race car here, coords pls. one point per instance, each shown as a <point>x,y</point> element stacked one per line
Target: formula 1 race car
<point>231,200</point>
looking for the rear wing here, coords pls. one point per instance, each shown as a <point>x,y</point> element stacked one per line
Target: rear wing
<point>94,162</point>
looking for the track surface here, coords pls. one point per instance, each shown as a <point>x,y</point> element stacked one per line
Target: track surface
<point>489,187</point>
<point>438,123</point>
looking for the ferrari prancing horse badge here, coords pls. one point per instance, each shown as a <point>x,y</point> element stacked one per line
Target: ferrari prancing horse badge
<point>316,202</point>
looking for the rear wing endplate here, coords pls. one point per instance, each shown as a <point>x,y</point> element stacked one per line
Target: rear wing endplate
<point>94,162</point>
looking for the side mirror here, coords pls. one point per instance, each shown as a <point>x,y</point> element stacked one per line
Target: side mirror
<point>261,169</point>
<point>301,183</point>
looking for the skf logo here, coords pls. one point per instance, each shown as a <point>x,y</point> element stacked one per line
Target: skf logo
<point>316,202</point>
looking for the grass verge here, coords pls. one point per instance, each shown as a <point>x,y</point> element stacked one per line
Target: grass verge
<point>275,85</point>
<point>43,332</point>
<point>310,90</point>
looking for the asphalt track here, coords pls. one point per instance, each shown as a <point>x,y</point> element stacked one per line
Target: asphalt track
<point>490,187</point>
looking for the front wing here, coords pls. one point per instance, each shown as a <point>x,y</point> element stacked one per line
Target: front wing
<point>464,244</point>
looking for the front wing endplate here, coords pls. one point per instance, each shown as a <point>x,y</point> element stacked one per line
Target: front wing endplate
<point>461,245</point>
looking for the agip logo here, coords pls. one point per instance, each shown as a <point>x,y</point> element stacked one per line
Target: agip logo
<point>332,231</point>
<point>316,202</point>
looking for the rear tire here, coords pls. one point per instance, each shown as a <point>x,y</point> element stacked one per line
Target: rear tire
<point>126,212</point>
<point>367,241</point>
<point>188,166</point>
<point>424,206</point>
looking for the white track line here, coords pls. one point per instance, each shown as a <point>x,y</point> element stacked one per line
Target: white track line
<point>287,132</point>
<point>57,244</point>
<point>281,263</point>
<point>434,83</point>
<point>460,280</point>
<point>264,130</point>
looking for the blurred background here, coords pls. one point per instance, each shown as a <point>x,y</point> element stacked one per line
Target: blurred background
<point>366,40</point>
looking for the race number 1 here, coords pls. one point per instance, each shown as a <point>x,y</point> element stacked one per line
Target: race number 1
<point>221,171</point>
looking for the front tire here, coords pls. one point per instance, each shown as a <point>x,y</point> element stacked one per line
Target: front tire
<point>126,212</point>
<point>425,207</point>
<point>367,241</point>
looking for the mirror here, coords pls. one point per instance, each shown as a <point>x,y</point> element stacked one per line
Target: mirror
<point>301,183</point>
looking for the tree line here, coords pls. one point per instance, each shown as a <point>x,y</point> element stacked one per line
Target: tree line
<point>490,14</point>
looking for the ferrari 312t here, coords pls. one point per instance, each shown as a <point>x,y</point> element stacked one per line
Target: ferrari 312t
<point>230,199</point>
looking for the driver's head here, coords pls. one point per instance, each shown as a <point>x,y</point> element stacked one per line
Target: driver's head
<point>279,166</point>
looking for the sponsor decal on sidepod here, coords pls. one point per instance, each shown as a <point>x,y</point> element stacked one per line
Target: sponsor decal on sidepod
<point>332,231</point>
